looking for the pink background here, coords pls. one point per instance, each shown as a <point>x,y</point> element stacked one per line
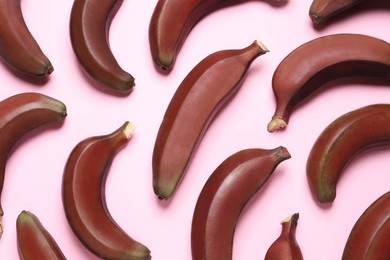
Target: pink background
<point>34,171</point>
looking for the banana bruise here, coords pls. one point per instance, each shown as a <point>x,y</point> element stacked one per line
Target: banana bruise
<point>170,24</point>
<point>20,114</point>
<point>33,239</point>
<point>90,21</point>
<point>286,246</point>
<point>84,200</point>
<point>18,48</point>
<point>370,236</point>
<point>340,141</point>
<point>321,10</point>
<point>223,197</point>
<point>307,68</point>
<point>203,92</point>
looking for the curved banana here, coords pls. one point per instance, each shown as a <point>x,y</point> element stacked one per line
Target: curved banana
<point>90,21</point>
<point>171,22</point>
<point>20,114</point>
<point>319,61</point>
<point>84,201</point>
<point>18,48</point>
<point>321,10</point>
<point>370,236</point>
<point>286,246</point>
<point>345,137</point>
<point>224,196</point>
<point>34,241</point>
<point>202,93</point>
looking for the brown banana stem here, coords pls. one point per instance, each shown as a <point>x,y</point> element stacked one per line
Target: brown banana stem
<point>200,96</point>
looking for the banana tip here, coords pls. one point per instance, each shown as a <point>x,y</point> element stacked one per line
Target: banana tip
<point>276,123</point>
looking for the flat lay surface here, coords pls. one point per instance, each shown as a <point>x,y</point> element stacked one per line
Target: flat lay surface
<point>35,167</point>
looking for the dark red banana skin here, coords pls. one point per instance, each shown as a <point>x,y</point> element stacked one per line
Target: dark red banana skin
<point>170,24</point>
<point>34,241</point>
<point>18,48</point>
<point>224,196</point>
<point>327,58</point>
<point>321,10</point>
<point>340,141</point>
<point>90,21</point>
<point>370,236</point>
<point>286,247</point>
<point>84,200</point>
<point>203,92</point>
<point>20,114</point>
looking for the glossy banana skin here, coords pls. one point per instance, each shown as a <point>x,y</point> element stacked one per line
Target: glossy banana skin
<point>224,196</point>
<point>286,246</point>
<point>370,236</point>
<point>170,24</point>
<point>321,10</point>
<point>84,201</point>
<point>345,137</point>
<point>34,241</point>
<point>202,94</point>
<point>20,114</point>
<point>317,62</point>
<point>90,21</point>
<point>18,48</point>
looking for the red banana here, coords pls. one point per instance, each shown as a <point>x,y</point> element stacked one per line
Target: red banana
<point>224,196</point>
<point>20,114</point>
<point>83,197</point>
<point>200,96</point>
<point>370,236</point>
<point>342,139</point>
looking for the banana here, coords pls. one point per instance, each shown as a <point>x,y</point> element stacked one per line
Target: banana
<point>223,197</point>
<point>20,114</point>
<point>286,246</point>
<point>307,68</point>
<point>90,21</point>
<point>34,241</point>
<point>170,24</point>
<point>340,141</point>
<point>202,93</point>
<point>321,10</point>
<point>84,201</point>
<point>370,236</point>
<point>18,48</point>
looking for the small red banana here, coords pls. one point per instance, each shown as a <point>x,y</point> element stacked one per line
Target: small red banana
<point>321,10</point>
<point>90,21</point>
<point>307,68</point>
<point>286,247</point>
<point>198,99</point>
<point>370,236</point>
<point>171,22</point>
<point>34,241</point>
<point>18,48</point>
<point>340,141</point>
<point>20,114</point>
<point>223,197</point>
<point>84,200</point>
